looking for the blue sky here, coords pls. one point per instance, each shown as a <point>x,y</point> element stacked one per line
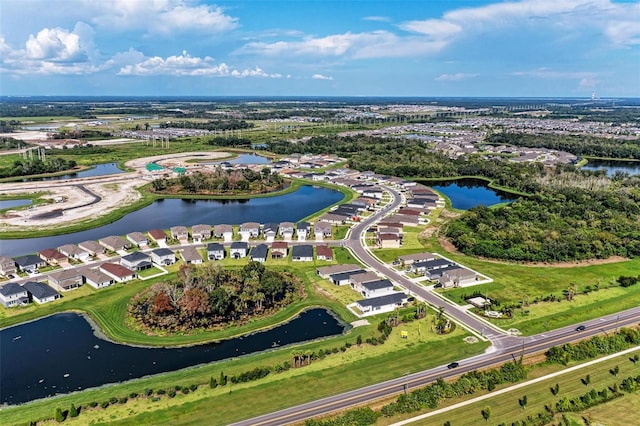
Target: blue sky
<point>323,47</point>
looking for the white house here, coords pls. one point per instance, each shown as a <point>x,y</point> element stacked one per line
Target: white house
<point>381,304</point>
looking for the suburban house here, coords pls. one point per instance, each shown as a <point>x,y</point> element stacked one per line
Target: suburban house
<point>270,227</point>
<point>200,233</point>
<point>333,218</point>
<point>158,235</point>
<point>52,256</point>
<point>259,253</point>
<point>322,229</point>
<point>238,249</point>
<point>138,238</point>
<point>96,278</point>
<point>180,233</point>
<point>30,262</point>
<point>7,266</point>
<point>279,249</point>
<point>380,304</point>
<point>114,243</point>
<point>91,247</point>
<point>286,229</point>
<point>250,229</point>
<point>389,240</point>
<point>409,259</point>
<point>457,276</point>
<point>376,288</point>
<point>163,256</point>
<point>12,294</point>
<point>404,219</point>
<point>326,271</point>
<point>223,231</point>
<point>215,251</point>
<point>65,280</point>
<point>118,272</point>
<point>136,261</point>
<point>40,292</point>
<point>72,251</point>
<point>324,253</point>
<point>358,279</point>
<point>409,211</point>
<point>437,273</point>
<point>373,192</point>
<point>429,265</point>
<point>303,253</point>
<point>191,255</point>
<point>303,229</point>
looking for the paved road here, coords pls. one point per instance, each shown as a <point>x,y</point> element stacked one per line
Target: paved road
<point>504,347</point>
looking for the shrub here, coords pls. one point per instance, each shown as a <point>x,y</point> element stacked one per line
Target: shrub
<point>73,411</point>
<point>185,390</point>
<point>93,404</point>
<point>171,394</point>
<point>105,404</point>
<point>59,416</point>
<point>123,400</point>
<point>193,387</point>
<point>161,392</point>
<point>133,395</point>
<point>148,392</point>
<point>113,400</point>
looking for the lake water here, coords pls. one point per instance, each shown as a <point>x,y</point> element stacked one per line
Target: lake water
<point>468,193</point>
<point>8,204</point>
<point>98,170</point>
<point>245,159</point>
<point>164,214</point>
<point>61,354</point>
<point>613,166</point>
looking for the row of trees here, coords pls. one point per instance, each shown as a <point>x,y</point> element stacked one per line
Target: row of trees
<point>221,181</point>
<point>26,167</point>
<point>208,125</point>
<point>593,347</point>
<point>208,295</point>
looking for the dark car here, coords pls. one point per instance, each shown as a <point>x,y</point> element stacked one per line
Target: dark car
<point>452,365</point>
<point>581,328</point>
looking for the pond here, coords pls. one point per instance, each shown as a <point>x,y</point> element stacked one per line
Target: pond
<point>61,353</point>
<point>613,166</point>
<point>98,170</point>
<point>245,159</point>
<point>468,193</point>
<point>9,204</point>
<point>164,214</point>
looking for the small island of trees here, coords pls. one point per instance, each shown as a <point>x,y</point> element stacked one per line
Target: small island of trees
<point>209,296</point>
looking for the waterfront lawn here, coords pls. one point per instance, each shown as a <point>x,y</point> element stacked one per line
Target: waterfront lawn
<point>506,408</point>
<point>354,367</point>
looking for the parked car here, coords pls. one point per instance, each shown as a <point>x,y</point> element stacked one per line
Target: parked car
<point>581,328</point>
<point>453,365</point>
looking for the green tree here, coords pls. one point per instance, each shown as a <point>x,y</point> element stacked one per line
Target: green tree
<point>223,379</point>
<point>213,383</point>
<point>59,416</point>
<point>523,402</point>
<point>73,411</point>
<point>486,413</point>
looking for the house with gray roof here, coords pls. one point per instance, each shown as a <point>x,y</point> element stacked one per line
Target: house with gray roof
<point>200,232</point>
<point>138,238</point>
<point>327,271</point>
<point>259,253</point>
<point>12,294</point>
<point>251,229</point>
<point>215,251</point>
<point>191,255</point>
<point>381,304</point>
<point>96,278</point>
<point>114,243</point>
<point>180,233</point>
<point>238,249</point>
<point>302,253</point>
<point>7,266</point>
<point>72,251</point>
<point>30,262</point>
<point>322,229</point>
<point>92,247</point>
<point>163,256</point>
<point>136,261</point>
<point>376,288</point>
<point>65,280</point>
<point>286,228</point>
<point>223,231</point>
<point>358,279</point>
<point>40,292</point>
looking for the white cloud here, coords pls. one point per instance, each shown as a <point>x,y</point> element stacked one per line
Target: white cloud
<point>160,16</point>
<point>377,18</point>
<point>187,65</point>
<point>56,45</point>
<point>587,83</point>
<point>321,77</point>
<point>552,74</point>
<point>455,77</point>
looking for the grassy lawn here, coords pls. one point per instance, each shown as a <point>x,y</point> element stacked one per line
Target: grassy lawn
<point>505,407</point>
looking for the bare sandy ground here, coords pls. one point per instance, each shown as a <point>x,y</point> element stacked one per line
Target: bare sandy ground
<point>115,192</point>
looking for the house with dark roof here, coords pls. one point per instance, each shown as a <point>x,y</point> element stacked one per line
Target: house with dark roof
<point>40,292</point>
<point>163,256</point>
<point>259,253</point>
<point>138,238</point>
<point>12,294</point>
<point>430,265</point>
<point>344,278</point>
<point>302,253</point>
<point>92,247</point>
<point>358,279</point>
<point>324,253</point>
<point>326,271</point>
<point>238,249</point>
<point>303,229</point>
<point>7,266</point>
<point>215,251</point>
<point>114,243</point>
<point>200,232</point>
<point>279,249</point>
<point>191,255</point>
<point>72,251</point>
<point>30,262</point>
<point>65,280</point>
<point>376,288</point>
<point>388,240</point>
<point>158,235</point>
<point>271,226</point>
<point>381,304</point>
<point>457,276</point>
<point>118,272</point>
<point>52,256</point>
<point>136,261</point>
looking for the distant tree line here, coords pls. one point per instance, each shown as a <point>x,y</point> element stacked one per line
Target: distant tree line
<point>208,296</point>
<point>86,149</point>
<point>7,143</point>
<point>230,142</point>
<point>25,167</point>
<point>208,125</point>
